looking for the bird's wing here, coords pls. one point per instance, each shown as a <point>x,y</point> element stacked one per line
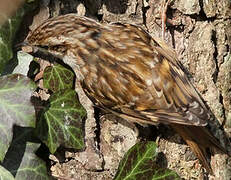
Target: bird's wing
<point>155,89</point>
<point>187,101</point>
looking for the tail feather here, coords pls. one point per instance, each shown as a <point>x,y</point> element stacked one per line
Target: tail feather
<point>201,153</point>
<point>199,139</point>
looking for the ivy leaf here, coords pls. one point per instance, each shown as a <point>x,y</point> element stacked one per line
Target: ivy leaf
<point>21,160</point>
<point>8,32</point>
<point>140,163</point>
<point>164,173</point>
<point>5,174</point>
<point>61,124</point>
<point>15,107</point>
<point>57,78</point>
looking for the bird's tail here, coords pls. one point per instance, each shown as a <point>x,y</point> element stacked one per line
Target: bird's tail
<point>199,139</point>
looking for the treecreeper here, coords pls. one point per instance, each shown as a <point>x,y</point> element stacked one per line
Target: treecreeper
<point>125,71</point>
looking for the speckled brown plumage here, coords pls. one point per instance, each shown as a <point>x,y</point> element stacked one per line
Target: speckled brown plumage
<point>125,71</point>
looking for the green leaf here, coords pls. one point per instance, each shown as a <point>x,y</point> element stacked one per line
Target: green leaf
<point>61,123</point>
<point>15,107</point>
<point>5,174</point>
<point>31,166</point>
<point>140,163</point>
<point>164,173</point>
<point>21,160</point>
<point>8,32</point>
<point>57,78</point>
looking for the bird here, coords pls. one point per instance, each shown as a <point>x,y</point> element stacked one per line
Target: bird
<point>127,72</point>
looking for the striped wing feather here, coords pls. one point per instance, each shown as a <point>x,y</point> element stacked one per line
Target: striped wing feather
<point>154,88</point>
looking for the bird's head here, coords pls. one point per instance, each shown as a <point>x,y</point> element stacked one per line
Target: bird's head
<point>64,37</point>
